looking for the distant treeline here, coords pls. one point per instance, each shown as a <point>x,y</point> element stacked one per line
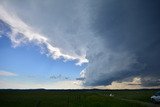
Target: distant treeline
<point>72,90</point>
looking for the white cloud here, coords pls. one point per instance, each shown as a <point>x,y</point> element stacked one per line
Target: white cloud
<point>134,84</point>
<point>6,73</point>
<point>23,33</point>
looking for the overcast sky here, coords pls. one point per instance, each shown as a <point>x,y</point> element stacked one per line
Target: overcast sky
<point>61,44</point>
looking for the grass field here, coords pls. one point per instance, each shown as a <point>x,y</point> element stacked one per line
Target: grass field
<point>76,98</point>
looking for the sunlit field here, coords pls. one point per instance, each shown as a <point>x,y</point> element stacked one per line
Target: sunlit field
<point>76,98</point>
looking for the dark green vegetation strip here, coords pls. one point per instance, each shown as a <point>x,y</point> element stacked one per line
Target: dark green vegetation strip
<point>44,98</point>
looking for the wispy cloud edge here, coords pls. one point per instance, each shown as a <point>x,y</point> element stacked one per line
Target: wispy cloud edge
<point>22,33</point>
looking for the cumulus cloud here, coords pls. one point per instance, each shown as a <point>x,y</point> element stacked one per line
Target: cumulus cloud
<point>6,73</point>
<point>118,39</point>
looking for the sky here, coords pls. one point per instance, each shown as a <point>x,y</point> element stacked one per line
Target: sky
<point>79,44</point>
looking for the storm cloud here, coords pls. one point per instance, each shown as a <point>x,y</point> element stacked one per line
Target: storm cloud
<point>130,31</point>
<point>119,40</point>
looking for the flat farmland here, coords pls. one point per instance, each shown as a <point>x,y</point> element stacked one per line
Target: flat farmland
<point>77,98</point>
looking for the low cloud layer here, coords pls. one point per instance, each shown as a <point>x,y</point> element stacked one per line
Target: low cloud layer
<point>68,84</point>
<point>59,77</point>
<point>118,39</point>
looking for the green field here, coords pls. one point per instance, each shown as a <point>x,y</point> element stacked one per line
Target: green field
<point>79,98</point>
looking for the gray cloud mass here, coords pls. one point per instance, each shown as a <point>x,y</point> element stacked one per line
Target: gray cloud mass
<point>130,29</point>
